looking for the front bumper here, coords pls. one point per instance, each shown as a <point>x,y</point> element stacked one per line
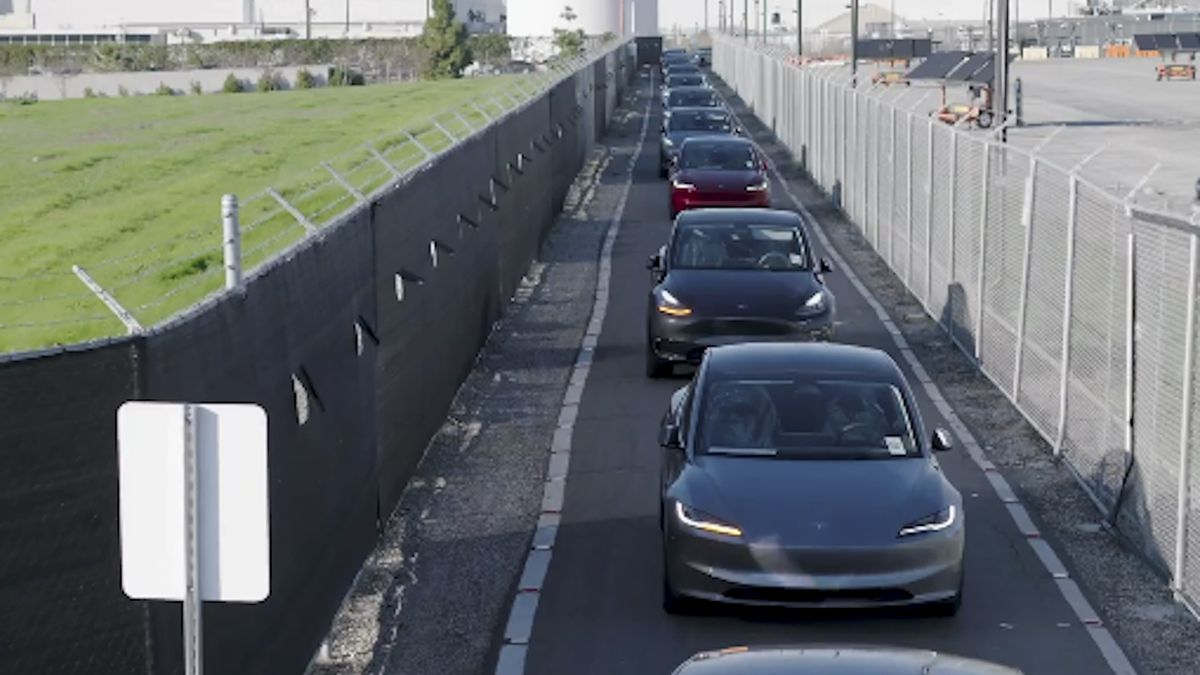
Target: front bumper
<point>921,570</point>
<point>684,339</point>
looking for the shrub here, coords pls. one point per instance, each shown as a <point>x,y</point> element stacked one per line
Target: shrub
<point>268,82</point>
<point>345,77</point>
<point>88,92</point>
<point>232,85</point>
<point>305,80</point>
<point>196,88</point>
<point>164,90</point>
<point>122,90</point>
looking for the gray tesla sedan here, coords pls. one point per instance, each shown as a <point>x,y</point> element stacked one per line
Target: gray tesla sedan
<point>734,275</point>
<point>802,475</point>
<point>836,660</point>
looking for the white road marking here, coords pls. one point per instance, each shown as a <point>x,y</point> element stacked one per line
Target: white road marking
<point>1109,649</point>
<point>537,563</point>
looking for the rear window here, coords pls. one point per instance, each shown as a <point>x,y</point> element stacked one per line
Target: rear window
<point>700,120</point>
<point>693,99</point>
<point>707,155</point>
<point>685,81</point>
<point>805,419</point>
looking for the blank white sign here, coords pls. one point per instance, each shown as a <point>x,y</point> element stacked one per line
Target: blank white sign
<point>234,537</point>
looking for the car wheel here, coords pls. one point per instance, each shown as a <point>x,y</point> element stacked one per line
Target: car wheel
<point>656,367</point>
<point>662,170</point>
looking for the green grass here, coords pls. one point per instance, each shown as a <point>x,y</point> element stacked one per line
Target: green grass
<point>130,189</point>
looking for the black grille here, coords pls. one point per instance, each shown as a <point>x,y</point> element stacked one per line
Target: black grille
<point>810,596</point>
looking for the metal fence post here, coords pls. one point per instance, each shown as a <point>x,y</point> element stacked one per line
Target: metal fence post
<point>949,308</point>
<point>1068,298</point>
<point>1185,430</point>
<point>1027,222</point>
<point>232,235</point>
<point>980,278</point>
<point>193,635</point>
<point>892,190</point>
<point>908,275</point>
<point>929,222</point>
<point>131,323</point>
<point>1130,340</point>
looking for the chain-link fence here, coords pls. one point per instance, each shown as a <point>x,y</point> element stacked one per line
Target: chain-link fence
<point>1077,303</point>
<point>172,270</point>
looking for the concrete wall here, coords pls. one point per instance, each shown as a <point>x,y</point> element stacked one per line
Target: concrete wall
<point>55,87</point>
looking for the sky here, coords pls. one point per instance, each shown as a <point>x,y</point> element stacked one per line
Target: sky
<point>688,13</point>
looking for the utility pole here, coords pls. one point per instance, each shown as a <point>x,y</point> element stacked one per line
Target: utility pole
<point>746,19</point>
<point>765,22</point>
<point>800,27</point>
<point>347,19</point>
<point>854,42</point>
<point>1000,89</point>
<point>705,16</point>
<point>307,19</point>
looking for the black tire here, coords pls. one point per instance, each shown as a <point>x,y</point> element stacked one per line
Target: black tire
<point>656,367</point>
<point>662,170</point>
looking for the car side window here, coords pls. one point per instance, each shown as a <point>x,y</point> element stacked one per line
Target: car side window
<point>685,414</point>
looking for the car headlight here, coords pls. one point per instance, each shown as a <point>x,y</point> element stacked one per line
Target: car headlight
<point>759,187</point>
<point>934,522</point>
<point>668,143</point>
<point>814,305</point>
<point>697,519</point>
<point>670,305</point>
<point>680,185</point>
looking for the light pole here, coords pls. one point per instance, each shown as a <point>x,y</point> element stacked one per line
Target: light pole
<point>746,19</point>
<point>705,16</point>
<point>1000,88</point>
<point>854,42</point>
<point>800,27</point>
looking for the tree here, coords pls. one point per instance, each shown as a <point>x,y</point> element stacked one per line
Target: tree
<point>569,41</point>
<point>445,39</point>
<point>492,49</point>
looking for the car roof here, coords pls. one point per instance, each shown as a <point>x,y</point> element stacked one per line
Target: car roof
<point>819,359</point>
<point>693,87</point>
<point>836,660</point>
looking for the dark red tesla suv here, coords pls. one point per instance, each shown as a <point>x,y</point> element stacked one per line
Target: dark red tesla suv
<point>719,171</point>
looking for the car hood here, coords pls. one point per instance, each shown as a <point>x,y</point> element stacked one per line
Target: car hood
<point>800,502</point>
<point>750,293</point>
<point>840,660</point>
<point>721,180</point>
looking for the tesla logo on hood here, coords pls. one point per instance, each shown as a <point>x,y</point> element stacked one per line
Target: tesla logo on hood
<point>819,525</point>
<point>743,306</point>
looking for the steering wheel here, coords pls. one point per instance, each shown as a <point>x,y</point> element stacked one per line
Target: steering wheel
<point>862,429</point>
<point>774,261</point>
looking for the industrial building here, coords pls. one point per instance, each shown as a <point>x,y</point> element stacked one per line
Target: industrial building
<point>181,21</point>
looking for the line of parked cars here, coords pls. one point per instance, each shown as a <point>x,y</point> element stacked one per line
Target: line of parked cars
<point>795,472</point>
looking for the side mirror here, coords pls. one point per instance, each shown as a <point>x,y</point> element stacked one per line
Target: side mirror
<point>825,267</point>
<point>655,262</point>
<point>668,437</point>
<point>942,441</point>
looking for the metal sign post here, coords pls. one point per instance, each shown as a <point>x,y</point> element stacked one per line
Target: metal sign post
<point>182,465</point>
<point>193,637</point>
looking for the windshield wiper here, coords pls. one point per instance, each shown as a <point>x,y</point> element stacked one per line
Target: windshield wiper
<point>744,452</point>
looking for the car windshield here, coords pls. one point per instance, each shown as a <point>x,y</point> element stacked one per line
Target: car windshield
<point>739,246</point>
<point>693,99</point>
<point>700,120</point>
<point>685,81</point>
<point>718,156</point>
<point>805,418</point>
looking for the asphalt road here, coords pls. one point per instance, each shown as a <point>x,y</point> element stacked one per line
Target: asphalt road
<point>600,611</point>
